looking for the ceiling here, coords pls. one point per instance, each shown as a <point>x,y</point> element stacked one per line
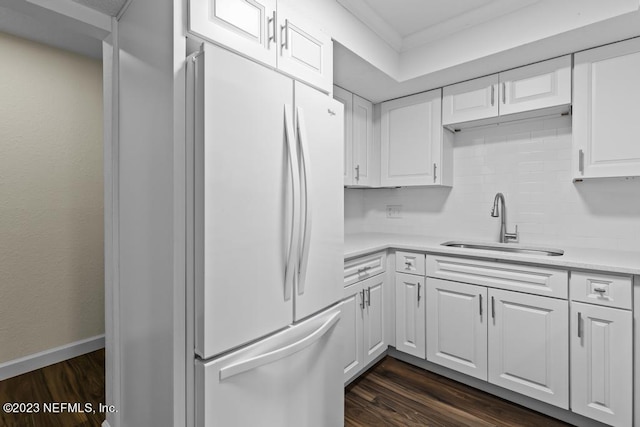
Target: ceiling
<point>405,24</point>
<point>108,7</point>
<point>33,28</point>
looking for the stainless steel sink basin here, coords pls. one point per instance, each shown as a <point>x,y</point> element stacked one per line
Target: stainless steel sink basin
<point>505,247</point>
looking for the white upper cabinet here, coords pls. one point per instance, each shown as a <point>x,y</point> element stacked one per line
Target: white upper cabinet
<point>245,26</point>
<point>606,111</point>
<point>533,90</point>
<point>473,100</point>
<point>304,51</point>
<point>361,161</point>
<point>269,32</point>
<point>415,149</point>
<point>363,152</point>
<point>542,85</point>
<point>346,98</point>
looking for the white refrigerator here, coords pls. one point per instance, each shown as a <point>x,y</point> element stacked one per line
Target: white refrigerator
<point>268,235</point>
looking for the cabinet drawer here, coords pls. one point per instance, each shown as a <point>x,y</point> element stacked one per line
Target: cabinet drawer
<point>601,289</point>
<point>410,262</point>
<point>515,277</point>
<point>361,268</point>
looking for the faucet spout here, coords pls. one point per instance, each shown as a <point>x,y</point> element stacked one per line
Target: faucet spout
<point>502,213</point>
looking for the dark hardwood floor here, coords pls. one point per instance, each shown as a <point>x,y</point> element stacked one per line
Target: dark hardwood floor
<point>77,380</point>
<point>394,393</point>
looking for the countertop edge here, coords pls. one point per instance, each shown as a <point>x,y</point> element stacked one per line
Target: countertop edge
<point>568,262</point>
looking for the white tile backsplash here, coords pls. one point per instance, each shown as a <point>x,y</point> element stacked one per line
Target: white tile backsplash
<point>530,163</point>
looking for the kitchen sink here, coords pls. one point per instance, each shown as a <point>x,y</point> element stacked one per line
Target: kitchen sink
<point>505,247</point>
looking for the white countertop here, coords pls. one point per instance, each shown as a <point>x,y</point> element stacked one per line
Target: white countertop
<point>573,258</point>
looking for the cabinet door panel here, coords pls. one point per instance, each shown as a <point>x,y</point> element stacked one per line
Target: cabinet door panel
<point>528,346</point>
<point>305,52</point>
<point>351,322</point>
<point>541,85</point>
<point>346,99</point>
<point>457,326</point>
<point>473,100</point>
<point>410,314</point>
<point>605,111</point>
<point>411,138</point>
<point>601,363</point>
<point>362,141</point>
<point>241,25</point>
<point>374,343</point>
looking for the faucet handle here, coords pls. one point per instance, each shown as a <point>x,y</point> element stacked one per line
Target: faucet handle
<point>511,236</point>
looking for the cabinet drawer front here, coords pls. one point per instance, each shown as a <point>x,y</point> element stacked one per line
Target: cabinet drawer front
<point>601,289</point>
<point>410,262</point>
<point>361,268</point>
<point>522,278</point>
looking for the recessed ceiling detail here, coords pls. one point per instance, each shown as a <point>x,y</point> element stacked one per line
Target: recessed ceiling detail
<point>405,24</point>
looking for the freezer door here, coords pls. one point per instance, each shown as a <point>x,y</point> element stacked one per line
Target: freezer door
<point>291,379</point>
<point>319,127</point>
<point>243,195</point>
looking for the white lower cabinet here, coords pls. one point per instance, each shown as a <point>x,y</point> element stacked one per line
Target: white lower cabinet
<point>457,326</point>
<point>410,314</point>
<point>601,363</point>
<point>514,340</point>
<point>363,324</point>
<point>528,344</point>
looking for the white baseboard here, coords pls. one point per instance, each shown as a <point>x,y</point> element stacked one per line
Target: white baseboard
<point>35,361</point>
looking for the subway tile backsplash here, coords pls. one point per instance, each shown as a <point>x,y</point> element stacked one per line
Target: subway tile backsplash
<point>530,163</point>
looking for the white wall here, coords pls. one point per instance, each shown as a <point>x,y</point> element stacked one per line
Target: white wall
<point>51,198</point>
<point>530,163</point>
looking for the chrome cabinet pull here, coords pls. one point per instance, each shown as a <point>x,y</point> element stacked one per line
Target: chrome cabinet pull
<point>361,299</point>
<point>493,308</point>
<point>601,291</point>
<point>435,166</point>
<point>504,93</point>
<point>271,20</point>
<point>369,297</point>
<point>480,295</point>
<point>581,161</point>
<point>579,325</point>
<point>358,173</point>
<point>493,94</point>
<point>419,291</point>
<point>285,38</point>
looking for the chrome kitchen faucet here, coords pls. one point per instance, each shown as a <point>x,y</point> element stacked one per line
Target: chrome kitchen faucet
<point>504,236</point>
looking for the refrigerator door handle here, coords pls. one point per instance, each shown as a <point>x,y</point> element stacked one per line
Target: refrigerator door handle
<point>304,168</point>
<point>292,263</point>
<point>281,353</point>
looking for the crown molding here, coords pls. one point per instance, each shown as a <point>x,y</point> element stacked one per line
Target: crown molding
<point>371,19</point>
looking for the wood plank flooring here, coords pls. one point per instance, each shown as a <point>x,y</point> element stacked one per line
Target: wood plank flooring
<point>77,380</point>
<point>394,393</point>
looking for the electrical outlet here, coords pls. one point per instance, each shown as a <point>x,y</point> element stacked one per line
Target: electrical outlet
<point>394,211</point>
